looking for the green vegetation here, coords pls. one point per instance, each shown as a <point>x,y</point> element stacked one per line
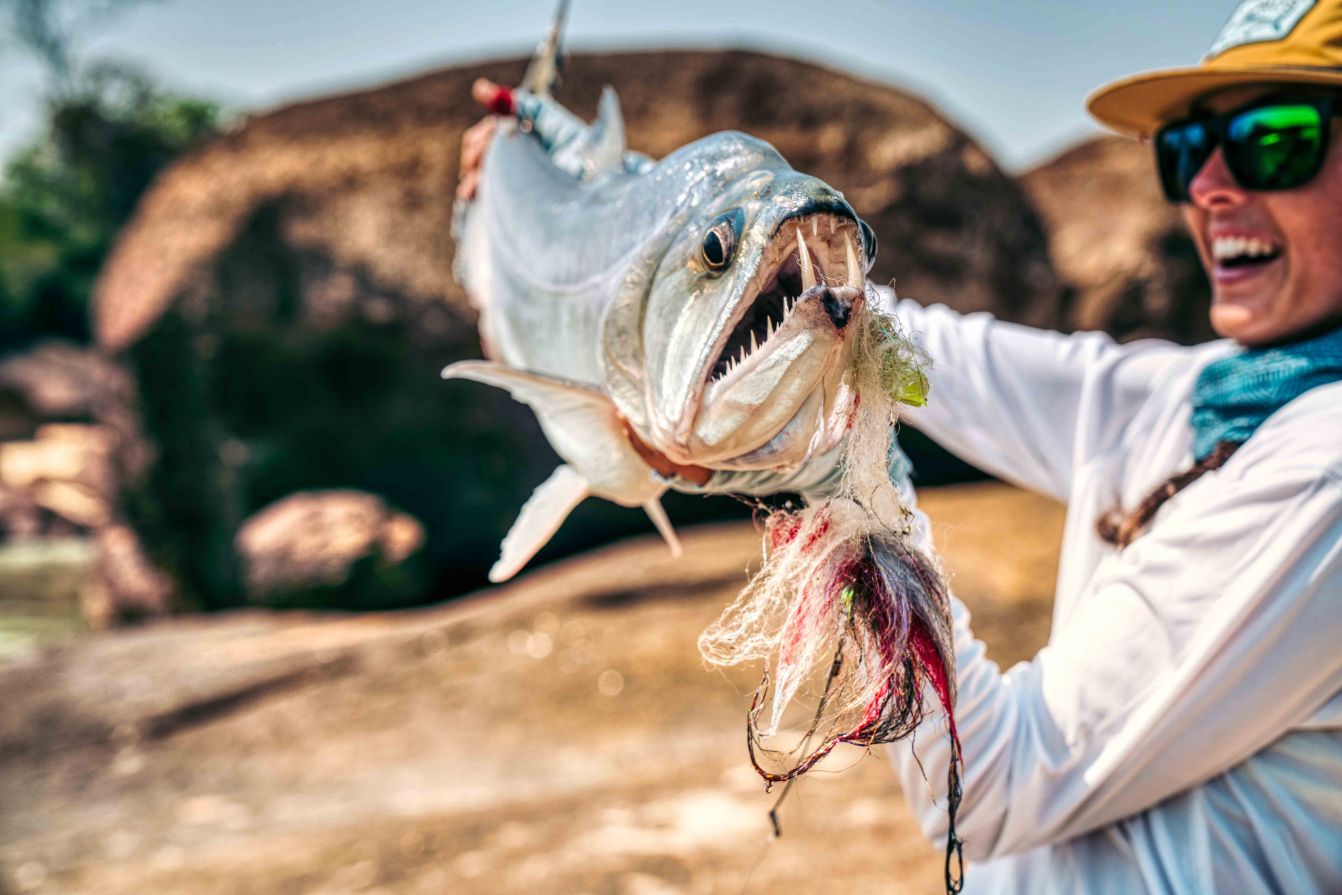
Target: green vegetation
<point>109,130</point>
<point>63,198</point>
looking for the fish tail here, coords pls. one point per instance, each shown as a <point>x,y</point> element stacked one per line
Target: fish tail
<point>543,73</point>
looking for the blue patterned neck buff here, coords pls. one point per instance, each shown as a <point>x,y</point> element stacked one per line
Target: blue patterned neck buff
<point>1234,395</point>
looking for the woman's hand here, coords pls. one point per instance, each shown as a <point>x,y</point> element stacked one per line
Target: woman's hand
<point>497,101</point>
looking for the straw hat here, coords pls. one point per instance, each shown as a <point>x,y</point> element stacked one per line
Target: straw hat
<point>1265,42</point>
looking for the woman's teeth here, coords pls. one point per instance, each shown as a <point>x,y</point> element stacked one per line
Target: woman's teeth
<point>1232,250</point>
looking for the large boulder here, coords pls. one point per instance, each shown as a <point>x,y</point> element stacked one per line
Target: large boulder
<point>1121,248</point>
<point>51,381</point>
<point>330,548</point>
<point>283,296</point>
<point>57,484</point>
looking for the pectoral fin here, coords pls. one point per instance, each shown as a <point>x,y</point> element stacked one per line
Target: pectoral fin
<point>541,516</point>
<point>585,429</point>
<point>582,426</point>
<point>552,398</point>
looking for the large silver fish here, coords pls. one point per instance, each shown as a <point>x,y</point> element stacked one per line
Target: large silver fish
<point>686,314</point>
<point>700,323</point>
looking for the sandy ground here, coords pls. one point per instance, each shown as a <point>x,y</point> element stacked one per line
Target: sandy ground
<point>555,735</point>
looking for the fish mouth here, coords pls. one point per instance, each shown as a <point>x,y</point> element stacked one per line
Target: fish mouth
<point>812,259</point>
<point>781,354</point>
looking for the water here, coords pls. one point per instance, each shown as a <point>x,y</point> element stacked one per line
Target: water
<point>40,583</point>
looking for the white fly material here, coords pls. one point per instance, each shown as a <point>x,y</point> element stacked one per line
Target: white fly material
<point>840,588</point>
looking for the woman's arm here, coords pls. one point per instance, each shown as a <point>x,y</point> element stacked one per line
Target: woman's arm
<point>1212,636</point>
<point>1008,398</point>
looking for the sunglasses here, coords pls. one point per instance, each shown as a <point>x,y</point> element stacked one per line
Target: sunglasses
<point>1273,145</point>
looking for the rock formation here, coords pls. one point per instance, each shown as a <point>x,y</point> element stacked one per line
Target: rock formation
<point>51,381</point>
<point>1130,267</point>
<point>339,549</point>
<point>56,475</point>
<point>58,483</point>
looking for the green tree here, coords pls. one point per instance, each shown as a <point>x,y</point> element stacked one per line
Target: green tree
<point>109,130</point>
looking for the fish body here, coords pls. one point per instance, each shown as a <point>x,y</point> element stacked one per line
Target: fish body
<point>691,310</point>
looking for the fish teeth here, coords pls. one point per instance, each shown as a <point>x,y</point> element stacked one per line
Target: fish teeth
<point>807,271</point>
<point>854,269</point>
<point>754,344</point>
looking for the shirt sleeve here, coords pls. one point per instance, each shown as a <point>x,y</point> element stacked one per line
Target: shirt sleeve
<point>1010,399</point>
<point>1207,639</point>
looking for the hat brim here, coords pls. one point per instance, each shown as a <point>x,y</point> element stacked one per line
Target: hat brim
<point>1138,106</point>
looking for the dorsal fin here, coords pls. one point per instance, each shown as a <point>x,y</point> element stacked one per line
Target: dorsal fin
<point>605,149</point>
<point>543,71</point>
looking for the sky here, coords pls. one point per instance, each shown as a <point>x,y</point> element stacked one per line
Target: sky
<point>1012,73</point>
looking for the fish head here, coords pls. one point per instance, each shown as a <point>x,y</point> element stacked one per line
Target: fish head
<point>744,329</point>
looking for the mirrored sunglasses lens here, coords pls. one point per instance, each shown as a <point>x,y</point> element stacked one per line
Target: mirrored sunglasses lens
<point>1181,151</point>
<point>1275,147</point>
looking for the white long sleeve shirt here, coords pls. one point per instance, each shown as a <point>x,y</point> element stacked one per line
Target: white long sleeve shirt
<point>1182,730</point>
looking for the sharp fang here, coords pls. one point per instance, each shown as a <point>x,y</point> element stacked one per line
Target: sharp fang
<point>754,345</point>
<point>807,271</point>
<point>771,330</point>
<point>854,269</point>
<point>815,227</point>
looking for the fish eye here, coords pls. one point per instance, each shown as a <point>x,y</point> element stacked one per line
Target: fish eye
<point>720,240</point>
<point>868,242</point>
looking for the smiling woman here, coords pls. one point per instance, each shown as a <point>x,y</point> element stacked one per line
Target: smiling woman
<point>1270,249</point>
<point>1181,731</point>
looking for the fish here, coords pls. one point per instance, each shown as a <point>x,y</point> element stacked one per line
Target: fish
<point>674,323</point>
<point>704,322</point>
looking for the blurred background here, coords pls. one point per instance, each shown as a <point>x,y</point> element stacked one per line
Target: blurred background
<point>245,639</point>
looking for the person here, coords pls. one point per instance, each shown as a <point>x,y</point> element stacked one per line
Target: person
<point>1182,729</point>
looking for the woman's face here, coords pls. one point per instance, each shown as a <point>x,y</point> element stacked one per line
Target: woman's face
<point>1294,285</point>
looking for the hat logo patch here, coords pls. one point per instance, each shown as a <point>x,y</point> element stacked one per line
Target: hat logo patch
<point>1257,21</point>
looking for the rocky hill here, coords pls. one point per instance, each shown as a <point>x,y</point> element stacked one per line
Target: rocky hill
<point>1130,267</point>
